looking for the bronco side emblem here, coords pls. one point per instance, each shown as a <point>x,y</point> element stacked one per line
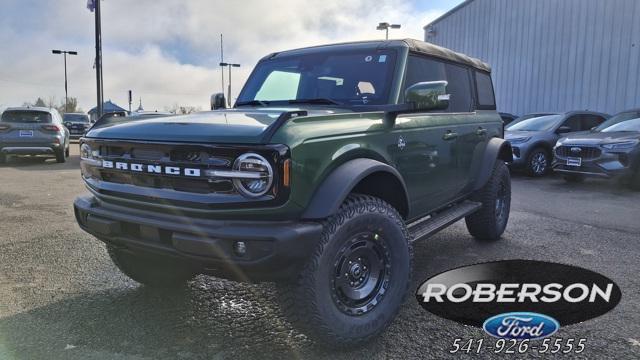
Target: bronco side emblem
<point>401,143</point>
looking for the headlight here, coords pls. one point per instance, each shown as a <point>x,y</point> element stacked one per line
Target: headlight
<point>89,156</point>
<point>85,152</point>
<point>258,184</point>
<point>621,145</point>
<point>252,175</point>
<point>519,140</point>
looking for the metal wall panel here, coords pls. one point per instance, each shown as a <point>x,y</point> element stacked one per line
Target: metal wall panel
<point>551,55</point>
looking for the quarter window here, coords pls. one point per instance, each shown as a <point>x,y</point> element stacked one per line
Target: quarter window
<point>484,87</point>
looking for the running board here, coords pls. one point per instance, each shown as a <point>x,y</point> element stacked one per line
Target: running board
<point>431,224</point>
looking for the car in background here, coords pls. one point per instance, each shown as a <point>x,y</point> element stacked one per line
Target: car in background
<point>612,150</point>
<point>533,138</point>
<point>76,123</point>
<point>507,118</point>
<point>34,131</point>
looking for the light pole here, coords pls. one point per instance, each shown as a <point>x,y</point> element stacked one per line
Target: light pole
<point>386,26</point>
<point>230,65</point>
<point>66,93</point>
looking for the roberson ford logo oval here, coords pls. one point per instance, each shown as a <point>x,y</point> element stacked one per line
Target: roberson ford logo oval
<point>521,326</point>
<point>472,294</point>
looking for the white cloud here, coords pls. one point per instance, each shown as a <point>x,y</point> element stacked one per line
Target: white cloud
<point>167,51</point>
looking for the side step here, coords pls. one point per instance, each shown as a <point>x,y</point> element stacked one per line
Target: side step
<point>431,224</point>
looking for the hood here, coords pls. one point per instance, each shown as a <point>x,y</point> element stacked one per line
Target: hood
<point>597,138</point>
<point>508,135</point>
<point>240,126</point>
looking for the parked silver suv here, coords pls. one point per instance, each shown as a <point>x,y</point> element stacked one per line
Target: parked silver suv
<point>533,138</point>
<point>33,131</point>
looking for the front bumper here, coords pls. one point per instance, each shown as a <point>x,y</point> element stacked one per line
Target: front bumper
<point>606,165</point>
<point>274,250</point>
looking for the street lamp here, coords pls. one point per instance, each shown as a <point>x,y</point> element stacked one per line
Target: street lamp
<point>386,26</point>
<point>230,65</point>
<point>66,94</point>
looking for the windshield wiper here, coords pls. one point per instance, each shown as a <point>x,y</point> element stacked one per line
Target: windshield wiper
<point>324,101</point>
<point>253,103</point>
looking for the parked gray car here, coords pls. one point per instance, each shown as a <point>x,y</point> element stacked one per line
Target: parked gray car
<point>533,138</point>
<point>33,131</point>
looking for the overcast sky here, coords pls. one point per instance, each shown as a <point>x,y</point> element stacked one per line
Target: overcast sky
<point>167,51</point>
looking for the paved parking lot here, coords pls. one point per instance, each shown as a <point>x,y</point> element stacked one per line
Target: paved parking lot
<point>61,298</point>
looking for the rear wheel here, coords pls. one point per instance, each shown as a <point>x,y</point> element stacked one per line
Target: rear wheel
<point>149,271</point>
<point>357,277</point>
<point>61,155</point>
<point>538,162</point>
<point>574,178</point>
<point>490,221</point>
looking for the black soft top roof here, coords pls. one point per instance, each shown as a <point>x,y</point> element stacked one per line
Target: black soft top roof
<point>412,44</point>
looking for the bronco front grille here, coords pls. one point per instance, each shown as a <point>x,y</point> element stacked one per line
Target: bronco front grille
<point>584,152</point>
<point>196,157</point>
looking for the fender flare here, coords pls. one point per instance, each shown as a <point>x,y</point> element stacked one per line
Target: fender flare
<point>340,182</point>
<point>497,149</point>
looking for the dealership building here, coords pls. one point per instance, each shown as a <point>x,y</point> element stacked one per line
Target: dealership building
<point>550,55</point>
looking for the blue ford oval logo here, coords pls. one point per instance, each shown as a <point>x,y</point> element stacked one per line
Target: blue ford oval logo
<point>521,326</point>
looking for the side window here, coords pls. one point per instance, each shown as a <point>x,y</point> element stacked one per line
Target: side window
<point>421,69</point>
<point>484,88</point>
<point>573,122</point>
<point>591,121</point>
<point>459,87</point>
<point>279,85</point>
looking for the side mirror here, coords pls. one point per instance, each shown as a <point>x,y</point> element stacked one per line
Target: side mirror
<point>564,129</point>
<point>218,101</point>
<point>430,95</point>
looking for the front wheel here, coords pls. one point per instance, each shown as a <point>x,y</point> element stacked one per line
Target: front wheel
<point>356,278</point>
<point>538,162</point>
<point>149,271</point>
<point>490,221</point>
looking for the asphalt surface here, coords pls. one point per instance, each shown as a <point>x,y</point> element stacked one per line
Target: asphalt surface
<point>61,298</point>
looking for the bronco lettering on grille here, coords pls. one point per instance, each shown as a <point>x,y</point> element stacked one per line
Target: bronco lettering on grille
<point>151,169</point>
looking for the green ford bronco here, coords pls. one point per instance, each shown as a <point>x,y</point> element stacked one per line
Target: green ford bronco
<point>332,162</point>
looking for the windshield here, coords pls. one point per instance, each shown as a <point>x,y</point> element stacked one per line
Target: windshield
<point>26,116</point>
<point>347,78</point>
<point>618,118</point>
<point>542,123</point>
<point>627,125</point>
<point>76,118</point>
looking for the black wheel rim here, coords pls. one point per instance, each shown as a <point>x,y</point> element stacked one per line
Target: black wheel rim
<point>501,204</point>
<point>361,273</point>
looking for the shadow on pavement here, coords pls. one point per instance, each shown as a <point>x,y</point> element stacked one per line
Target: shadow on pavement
<point>210,319</point>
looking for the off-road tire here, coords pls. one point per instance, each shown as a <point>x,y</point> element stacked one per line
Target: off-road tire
<point>61,156</point>
<point>311,302</point>
<point>574,178</point>
<point>491,220</point>
<point>67,152</point>
<point>148,271</point>
<point>531,162</point>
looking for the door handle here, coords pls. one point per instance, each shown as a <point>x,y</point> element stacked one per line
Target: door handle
<point>481,131</point>
<point>449,135</point>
